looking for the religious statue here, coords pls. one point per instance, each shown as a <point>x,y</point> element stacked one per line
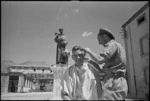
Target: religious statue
<point>60,39</point>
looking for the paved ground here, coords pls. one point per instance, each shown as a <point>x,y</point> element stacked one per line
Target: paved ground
<point>27,96</point>
<point>40,96</point>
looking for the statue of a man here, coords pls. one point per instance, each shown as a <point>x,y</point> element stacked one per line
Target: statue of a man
<point>61,41</point>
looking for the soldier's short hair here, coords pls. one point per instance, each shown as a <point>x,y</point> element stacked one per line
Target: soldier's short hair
<point>75,48</point>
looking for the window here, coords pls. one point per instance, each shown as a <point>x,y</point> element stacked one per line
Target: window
<point>14,77</point>
<point>43,70</point>
<point>146,75</point>
<point>141,19</point>
<point>34,69</point>
<point>144,45</point>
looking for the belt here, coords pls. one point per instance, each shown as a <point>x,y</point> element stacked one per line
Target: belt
<point>113,75</point>
<point>118,74</point>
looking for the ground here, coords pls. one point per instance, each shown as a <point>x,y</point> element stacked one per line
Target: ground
<point>39,96</point>
<point>27,96</point>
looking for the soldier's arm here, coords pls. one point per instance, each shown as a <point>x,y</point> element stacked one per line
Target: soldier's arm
<point>97,58</point>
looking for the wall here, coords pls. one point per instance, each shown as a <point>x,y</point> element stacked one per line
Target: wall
<point>4,83</point>
<point>136,61</point>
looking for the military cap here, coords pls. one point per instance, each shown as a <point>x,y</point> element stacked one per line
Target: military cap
<point>103,31</point>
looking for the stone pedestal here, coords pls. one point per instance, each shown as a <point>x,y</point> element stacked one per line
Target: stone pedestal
<point>58,74</point>
<point>57,89</point>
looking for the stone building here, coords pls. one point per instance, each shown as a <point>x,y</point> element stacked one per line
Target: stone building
<point>25,78</point>
<point>136,36</point>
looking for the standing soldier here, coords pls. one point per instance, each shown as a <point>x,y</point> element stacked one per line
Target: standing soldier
<point>114,59</point>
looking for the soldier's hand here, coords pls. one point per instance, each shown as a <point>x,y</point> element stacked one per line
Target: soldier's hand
<point>87,49</point>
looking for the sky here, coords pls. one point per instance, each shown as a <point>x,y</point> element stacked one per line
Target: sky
<point>28,27</point>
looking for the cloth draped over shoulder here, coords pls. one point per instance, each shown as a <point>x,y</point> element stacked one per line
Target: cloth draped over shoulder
<point>82,84</point>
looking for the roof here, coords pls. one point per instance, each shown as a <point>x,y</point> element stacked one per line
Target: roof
<point>136,14</point>
<point>12,73</point>
<point>30,66</point>
<point>37,67</point>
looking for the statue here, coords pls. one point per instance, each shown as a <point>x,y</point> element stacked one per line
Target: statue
<point>60,39</point>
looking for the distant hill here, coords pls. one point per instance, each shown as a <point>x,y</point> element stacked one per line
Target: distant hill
<point>5,64</point>
<point>34,63</point>
<point>8,62</point>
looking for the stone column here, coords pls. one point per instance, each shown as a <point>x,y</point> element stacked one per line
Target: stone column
<point>57,90</point>
<point>29,84</point>
<point>26,83</point>
<point>20,83</point>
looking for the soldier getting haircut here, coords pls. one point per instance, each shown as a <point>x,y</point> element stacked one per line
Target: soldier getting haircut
<point>75,48</point>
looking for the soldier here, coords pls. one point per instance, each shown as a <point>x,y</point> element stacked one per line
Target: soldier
<point>80,81</point>
<point>114,60</point>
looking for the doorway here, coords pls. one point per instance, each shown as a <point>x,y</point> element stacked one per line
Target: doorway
<point>13,83</point>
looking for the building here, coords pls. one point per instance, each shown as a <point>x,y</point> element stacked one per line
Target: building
<point>136,36</point>
<point>22,78</point>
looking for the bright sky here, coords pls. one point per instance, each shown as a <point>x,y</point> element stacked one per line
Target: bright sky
<point>27,28</point>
